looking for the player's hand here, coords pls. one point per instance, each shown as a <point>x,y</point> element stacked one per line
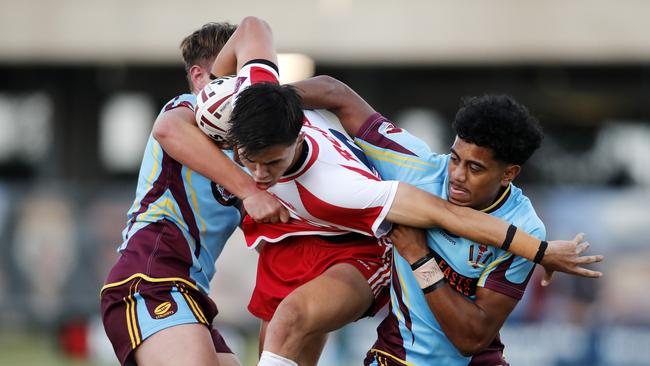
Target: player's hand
<point>263,207</point>
<point>566,256</point>
<point>411,243</point>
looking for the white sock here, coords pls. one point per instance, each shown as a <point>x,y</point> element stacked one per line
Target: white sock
<point>271,359</point>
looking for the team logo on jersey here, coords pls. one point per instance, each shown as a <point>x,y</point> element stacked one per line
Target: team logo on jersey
<point>222,195</point>
<point>390,128</point>
<point>478,255</point>
<point>163,310</point>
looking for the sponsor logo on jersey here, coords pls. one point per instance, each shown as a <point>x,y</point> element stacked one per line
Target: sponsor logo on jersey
<point>463,284</point>
<point>163,310</point>
<point>451,238</point>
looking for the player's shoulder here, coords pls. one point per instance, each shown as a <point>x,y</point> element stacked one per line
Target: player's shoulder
<point>380,135</point>
<point>523,214</point>
<point>180,101</point>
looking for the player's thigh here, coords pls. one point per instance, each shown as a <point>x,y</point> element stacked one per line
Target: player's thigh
<point>187,344</point>
<point>338,296</point>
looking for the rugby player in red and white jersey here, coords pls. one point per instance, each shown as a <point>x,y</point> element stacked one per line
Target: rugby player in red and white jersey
<point>285,150</point>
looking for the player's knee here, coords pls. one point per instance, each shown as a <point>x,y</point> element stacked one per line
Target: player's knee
<point>290,318</point>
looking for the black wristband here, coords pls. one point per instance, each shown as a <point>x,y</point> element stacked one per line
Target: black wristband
<point>434,286</point>
<point>418,263</point>
<point>540,252</point>
<point>512,229</point>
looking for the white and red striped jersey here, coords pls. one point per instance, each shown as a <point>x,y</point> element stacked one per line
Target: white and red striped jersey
<point>333,192</point>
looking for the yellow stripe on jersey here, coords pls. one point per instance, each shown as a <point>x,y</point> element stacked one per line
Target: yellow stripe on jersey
<point>492,265</point>
<point>195,204</point>
<point>503,196</point>
<point>152,175</point>
<point>380,352</point>
<point>148,279</point>
<point>390,156</point>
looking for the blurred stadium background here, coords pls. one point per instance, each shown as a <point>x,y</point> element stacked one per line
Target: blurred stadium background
<point>81,83</point>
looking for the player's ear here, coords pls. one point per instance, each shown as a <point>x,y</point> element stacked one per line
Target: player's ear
<point>197,75</point>
<point>510,173</point>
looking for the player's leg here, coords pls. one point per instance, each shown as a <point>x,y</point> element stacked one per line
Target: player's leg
<point>337,297</point>
<point>312,350</point>
<point>187,344</point>
<point>310,353</point>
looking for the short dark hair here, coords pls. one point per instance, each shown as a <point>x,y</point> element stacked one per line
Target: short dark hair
<point>265,114</point>
<point>500,123</point>
<point>204,44</point>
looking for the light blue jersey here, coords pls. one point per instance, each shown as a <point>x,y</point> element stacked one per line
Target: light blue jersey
<point>410,335</point>
<point>179,221</point>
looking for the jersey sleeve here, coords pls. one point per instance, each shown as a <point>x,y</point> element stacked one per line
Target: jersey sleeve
<point>181,101</point>
<point>509,274</point>
<point>253,72</point>
<point>397,154</point>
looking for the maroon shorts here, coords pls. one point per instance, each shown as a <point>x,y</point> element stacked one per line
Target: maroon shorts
<point>134,309</point>
<point>282,267</point>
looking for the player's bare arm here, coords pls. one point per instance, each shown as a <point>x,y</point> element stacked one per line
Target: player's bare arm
<point>253,40</point>
<point>417,208</point>
<point>326,92</point>
<point>470,326</point>
<point>177,133</point>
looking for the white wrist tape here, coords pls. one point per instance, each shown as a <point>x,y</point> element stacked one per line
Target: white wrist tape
<point>428,273</point>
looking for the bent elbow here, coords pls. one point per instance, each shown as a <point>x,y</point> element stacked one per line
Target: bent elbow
<point>470,347</point>
<point>162,130</point>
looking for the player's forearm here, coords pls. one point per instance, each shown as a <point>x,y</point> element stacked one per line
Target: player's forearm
<point>326,92</point>
<point>414,207</point>
<point>189,146</point>
<point>466,325</point>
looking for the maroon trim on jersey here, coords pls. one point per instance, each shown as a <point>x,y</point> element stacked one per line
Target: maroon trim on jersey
<point>157,190</point>
<point>177,189</point>
<point>314,150</point>
<point>490,356</point>
<point>172,105</point>
<point>497,281</point>
<point>369,131</point>
<point>157,250</point>
<point>389,337</point>
<point>361,219</point>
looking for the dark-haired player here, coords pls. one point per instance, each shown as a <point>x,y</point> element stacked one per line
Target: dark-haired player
<point>454,317</point>
<point>321,178</point>
<point>155,305</point>
<point>456,320</point>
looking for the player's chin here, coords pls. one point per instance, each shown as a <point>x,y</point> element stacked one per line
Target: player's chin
<point>459,201</point>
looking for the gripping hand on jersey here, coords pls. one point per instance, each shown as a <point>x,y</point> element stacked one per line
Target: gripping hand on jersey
<point>261,206</point>
<point>566,256</point>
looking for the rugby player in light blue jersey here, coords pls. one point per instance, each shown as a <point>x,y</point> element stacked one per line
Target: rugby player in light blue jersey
<point>449,295</point>
<point>155,304</point>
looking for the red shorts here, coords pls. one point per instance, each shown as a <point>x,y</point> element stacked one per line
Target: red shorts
<point>282,267</point>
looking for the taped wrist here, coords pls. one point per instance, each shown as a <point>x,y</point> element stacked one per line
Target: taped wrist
<point>427,273</point>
